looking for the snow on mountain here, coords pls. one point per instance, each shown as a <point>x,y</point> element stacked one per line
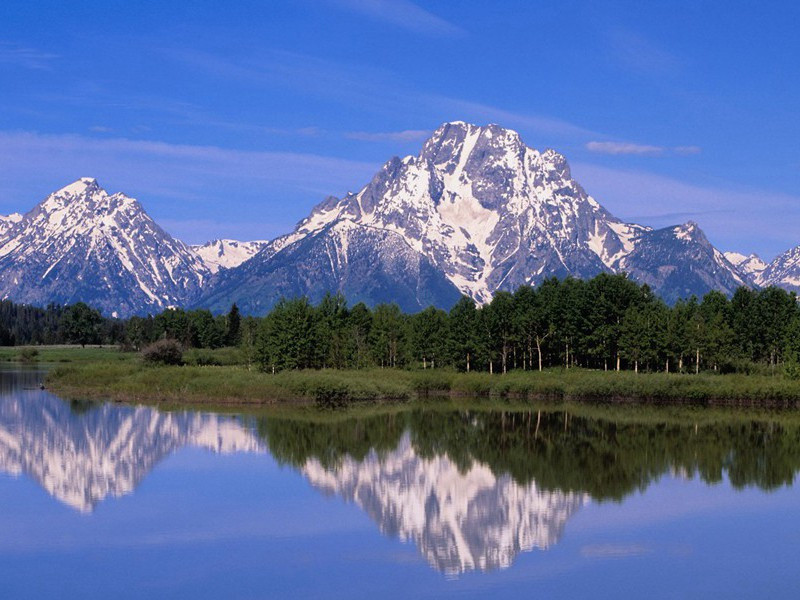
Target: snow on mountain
<point>477,209</point>
<point>782,272</point>
<point>459,519</point>
<point>83,458</point>
<point>751,266</point>
<point>7,222</point>
<point>82,244</point>
<point>678,262</point>
<point>226,254</point>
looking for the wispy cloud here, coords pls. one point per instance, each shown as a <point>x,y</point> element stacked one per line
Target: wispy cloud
<point>509,118</point>
<point>369,88</point>
<point>743,219</point>
<point>687,150</point>
<point>401,13</point>
<point>171,179</point>
<point>623,148</point>
<point>21,56</point>
<point>616,148</point>
<point>640,54</point>
<point>408,135</point>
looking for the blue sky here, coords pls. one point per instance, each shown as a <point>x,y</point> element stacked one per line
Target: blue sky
<point>235,121</point>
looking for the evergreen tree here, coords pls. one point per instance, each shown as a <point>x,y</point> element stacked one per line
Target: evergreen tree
<point>234,323</point>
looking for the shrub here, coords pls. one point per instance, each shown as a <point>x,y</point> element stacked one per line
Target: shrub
<point>163,352</point>
<point>28,354</point>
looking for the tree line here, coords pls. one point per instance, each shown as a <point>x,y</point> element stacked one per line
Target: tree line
<point>608,322</point>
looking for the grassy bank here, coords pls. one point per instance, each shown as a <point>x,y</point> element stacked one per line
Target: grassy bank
<point>63,354</point>
<point>125,378</point>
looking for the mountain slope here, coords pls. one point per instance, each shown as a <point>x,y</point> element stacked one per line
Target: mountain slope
<point>226,254</point>
<point>751,266</point>
<point>678,262</point>
<point>82,244</point>
<point>782,272</point>
<point>478,207</point>
<point>366,265</point>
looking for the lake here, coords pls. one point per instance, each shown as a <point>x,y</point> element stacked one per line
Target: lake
<point>107,500</point>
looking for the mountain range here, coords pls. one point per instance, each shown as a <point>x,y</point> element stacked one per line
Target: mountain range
<point>476,211</point>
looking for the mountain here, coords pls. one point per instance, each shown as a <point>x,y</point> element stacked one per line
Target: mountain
<point>460,519</point>
<point>226,254</point>
<point>475,212</point>
<point>82,244</point>
<point>750,266</point>
<point>782,272</point>
<point>678,262</point>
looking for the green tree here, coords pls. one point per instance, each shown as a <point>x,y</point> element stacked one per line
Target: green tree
<point>429,335</point>
<point>388,335</point>
<point>285,339</point>
<point>80,324</point>
<point>463,333</point>
<point>234,323</point>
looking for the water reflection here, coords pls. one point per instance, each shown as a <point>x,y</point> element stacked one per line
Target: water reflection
<point>471,489</point>
<point>83,453</point>
<point>460,519</point>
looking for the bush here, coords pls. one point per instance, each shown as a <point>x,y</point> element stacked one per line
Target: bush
<point>28,354</point>
<point>163,352</point>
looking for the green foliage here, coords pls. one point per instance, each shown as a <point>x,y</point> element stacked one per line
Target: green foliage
<point>81,324</point>
<point>608,323</point>
<point>234,323</point>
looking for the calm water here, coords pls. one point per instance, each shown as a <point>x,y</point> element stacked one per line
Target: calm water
<point>106,501</point>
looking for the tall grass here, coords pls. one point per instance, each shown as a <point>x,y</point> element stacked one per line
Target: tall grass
<point>198,382</point>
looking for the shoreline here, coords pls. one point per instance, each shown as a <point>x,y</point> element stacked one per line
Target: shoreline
<point>132,382</point>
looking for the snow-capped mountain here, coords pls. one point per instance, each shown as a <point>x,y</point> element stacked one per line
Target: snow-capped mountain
<point>782,272</point>
<point>460,520</point>
<point>226,254</point>
<point>83,244</point>
<point>678,262</point>
<point>751,266</point>
<point>475,212</point>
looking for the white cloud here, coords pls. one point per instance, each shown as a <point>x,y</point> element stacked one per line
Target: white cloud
<point>617,148</point>
<point>623,148</point>
<point>408,135</point>
<point>20,56</point>
<point>734,218</point>
<point>687,150</point>
<point>178,183</point>
<point>403,14</point>
<point>641,54</point>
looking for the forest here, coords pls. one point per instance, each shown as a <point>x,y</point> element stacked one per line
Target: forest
<point>606,323</point>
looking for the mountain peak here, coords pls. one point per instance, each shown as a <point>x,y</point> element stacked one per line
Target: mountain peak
<point>79,187</point>
<point>689,231</point>
<point>82,244</point>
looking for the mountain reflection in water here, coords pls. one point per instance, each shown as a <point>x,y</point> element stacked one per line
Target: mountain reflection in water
<point>471,489</point>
